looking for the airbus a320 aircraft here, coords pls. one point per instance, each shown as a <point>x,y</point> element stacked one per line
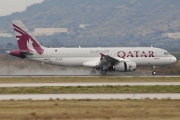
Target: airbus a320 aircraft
<point>122,59</point>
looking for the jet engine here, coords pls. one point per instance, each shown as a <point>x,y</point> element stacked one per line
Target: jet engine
<point>125,67</point>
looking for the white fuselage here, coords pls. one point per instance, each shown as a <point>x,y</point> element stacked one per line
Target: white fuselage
<point>77,56</point>
<point>122,59</point>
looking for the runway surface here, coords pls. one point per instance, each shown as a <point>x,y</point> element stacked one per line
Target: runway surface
<point>15,76</point>
<point>89,96</point>
<point>89,84</point>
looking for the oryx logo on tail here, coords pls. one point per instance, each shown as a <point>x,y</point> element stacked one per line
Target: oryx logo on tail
<point>25,40</point>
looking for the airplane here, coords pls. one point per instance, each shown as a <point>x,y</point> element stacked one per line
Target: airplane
<point>103,59</point>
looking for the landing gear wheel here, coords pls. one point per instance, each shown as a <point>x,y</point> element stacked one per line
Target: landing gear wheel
<point>103,72</point>
<point>154,72</point>
<point>93,72</point>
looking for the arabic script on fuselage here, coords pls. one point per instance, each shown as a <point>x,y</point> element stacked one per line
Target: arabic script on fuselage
<point>99,51</point>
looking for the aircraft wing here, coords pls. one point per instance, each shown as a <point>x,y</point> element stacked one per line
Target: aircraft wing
<point>104,60</point>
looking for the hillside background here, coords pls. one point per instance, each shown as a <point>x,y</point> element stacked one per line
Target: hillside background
<point>110,23</point>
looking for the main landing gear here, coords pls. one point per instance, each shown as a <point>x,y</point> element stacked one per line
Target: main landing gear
<point>153,70</point>
<point>103,72</point>
<point>104,69</point>
<point>93,72</point>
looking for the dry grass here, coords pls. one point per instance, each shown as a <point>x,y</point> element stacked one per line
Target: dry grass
<point>90,110</point>
<point>91,89</point>
<point>87,79</point>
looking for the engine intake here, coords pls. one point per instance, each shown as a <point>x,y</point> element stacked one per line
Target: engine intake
<point>125,67</point>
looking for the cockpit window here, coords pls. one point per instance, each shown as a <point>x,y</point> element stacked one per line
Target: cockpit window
<point>166,53</point>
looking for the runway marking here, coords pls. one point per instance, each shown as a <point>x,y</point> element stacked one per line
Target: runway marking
<point>90,96</point>
<point>89,84</point>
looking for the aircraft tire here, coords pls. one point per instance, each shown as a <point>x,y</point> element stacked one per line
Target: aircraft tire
<point>93,72</point>
<point>154,73</point>
<point>103,72</point>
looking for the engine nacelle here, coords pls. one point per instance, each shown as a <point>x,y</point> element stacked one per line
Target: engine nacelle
<point>125,67</point>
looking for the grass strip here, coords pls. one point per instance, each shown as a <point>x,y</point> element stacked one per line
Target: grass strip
<point>91,89</point>
<point>90,110</point>
<point>87,79</point>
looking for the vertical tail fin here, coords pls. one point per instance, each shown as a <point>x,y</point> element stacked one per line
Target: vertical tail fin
<point>26,41</point>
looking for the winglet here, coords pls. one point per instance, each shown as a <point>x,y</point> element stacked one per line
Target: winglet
<point>102,55</point>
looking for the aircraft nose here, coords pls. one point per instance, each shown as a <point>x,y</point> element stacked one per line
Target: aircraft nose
<point>174,59</point>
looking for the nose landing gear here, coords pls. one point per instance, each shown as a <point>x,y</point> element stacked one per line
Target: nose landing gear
<point>154,73</point>
<point>103,72</point>
<point>153,70</point>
